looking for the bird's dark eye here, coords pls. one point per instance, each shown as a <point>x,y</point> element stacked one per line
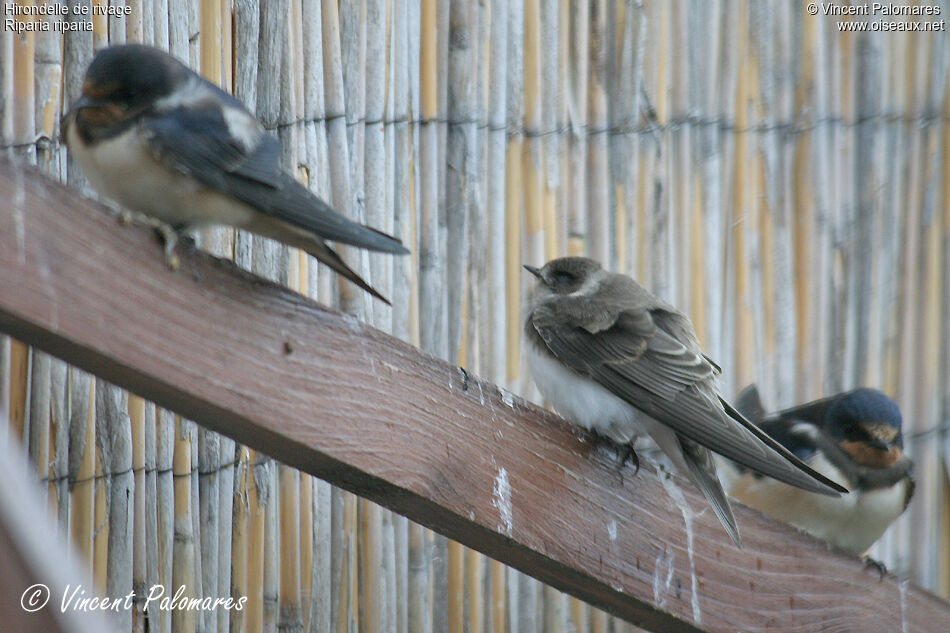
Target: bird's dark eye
<point>563,277</point>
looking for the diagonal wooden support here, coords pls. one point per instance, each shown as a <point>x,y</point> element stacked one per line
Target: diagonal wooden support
<point>322,392</point>
<point>37,571</point>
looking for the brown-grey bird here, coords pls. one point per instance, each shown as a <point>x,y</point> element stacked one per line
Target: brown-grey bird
<point>156,137</point>
<point>853,438</point>
<point>613,358</point>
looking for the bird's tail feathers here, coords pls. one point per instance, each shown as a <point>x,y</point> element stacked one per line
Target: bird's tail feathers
<point>702,470</point>
<point>335,227</point>
<point>331,258</point>
<point>388,243</point>
<point>793,471</point>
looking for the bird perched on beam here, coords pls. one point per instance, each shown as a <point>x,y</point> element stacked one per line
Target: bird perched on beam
<point>613,358</point>
<point>156,137</point>
<point>853,438</point>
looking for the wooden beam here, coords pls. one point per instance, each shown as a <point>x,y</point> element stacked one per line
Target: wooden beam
<point>331,396</point>
<point>37,571</point>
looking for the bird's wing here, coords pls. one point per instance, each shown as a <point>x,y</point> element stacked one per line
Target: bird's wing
<point>749,404</point>
<point>670,380</point>
<point>802,439</point>
<point>217,142</point>
<point>811,412</point>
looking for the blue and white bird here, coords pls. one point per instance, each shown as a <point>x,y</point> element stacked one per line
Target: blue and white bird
<point>151,134</point>
<point>854,439</point>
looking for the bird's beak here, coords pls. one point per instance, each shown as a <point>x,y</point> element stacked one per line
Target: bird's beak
<point>534,271</point>
<point>86,101</point>
<point>880,445</point>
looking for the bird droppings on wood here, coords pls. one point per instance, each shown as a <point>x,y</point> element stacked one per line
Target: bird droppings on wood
<point>352,323</point>
<point>501,499</point>
<point>663,576</point>
<point>902,591</point>
<point>676,494</point>
<point>19,205</point>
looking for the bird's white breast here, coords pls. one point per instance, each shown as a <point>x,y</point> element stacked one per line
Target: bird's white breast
<point>852,521</point>
<point>581,400</point>
<point>123,168</point>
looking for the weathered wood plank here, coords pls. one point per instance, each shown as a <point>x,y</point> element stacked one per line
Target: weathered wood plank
<point>38,573</point>
<point>327,394</point>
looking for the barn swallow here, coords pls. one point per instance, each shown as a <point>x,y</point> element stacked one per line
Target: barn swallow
<point>852,438</point>
<point>614,359</point>
<point>156,137</point>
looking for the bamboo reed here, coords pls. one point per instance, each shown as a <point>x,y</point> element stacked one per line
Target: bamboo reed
<point>48,73</point>
<point>147,12</point>
<point>209,463</point>
<point>352,41</point>
<point>100,25</point>
<point>270,580</point>
<point>476,607</point>
<point>237,621</point>
<point>133,23</point>
<point>258,496</point>
<point>336,131</point>
<point>150,501</point>
<point>461,158</point>
<point>418,612</point>
<point>197,555</point>
<point>371,598</point>
<point>782,182</point>
<point>433,325</point>
<point>6,86</point>
<point>554,618</point>
<point>305,545</point>
<point>103,482</point>
<point>160,15</point>
<point>136,413</point>
<point>514,200</point>
<point>37,420</point>
<point>497,304</point>
<point>597,229</point>
<point>455,570</point>
<point>598,621</point>
<point>226,528</point>
<point>534,235</point>
<point>320,603</point>
<point>165,482</point>
<point>580,616</point>
<point>59,442</point>
<point>24,91</point>
<point>373,172</point>
<point>82,469</point>
<point>290,616</point>
<point>183,557</point>
<point>400,88</point>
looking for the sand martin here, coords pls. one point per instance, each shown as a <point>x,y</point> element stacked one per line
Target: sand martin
<point>613,358</point>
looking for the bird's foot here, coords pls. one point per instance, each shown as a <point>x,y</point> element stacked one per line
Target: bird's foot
<point>170,238</point>
<point>876,564</point>
<point>626,454</point>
